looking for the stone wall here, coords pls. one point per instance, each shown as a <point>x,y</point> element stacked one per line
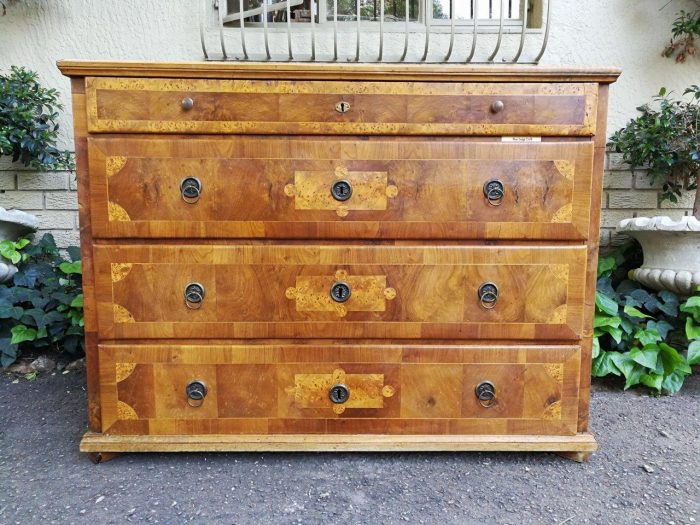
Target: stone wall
<point>629,193</point>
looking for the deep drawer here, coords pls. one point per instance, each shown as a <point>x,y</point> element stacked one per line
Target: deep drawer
<point>319,107</point>
<point>247,187</point>
<point>307,291</point>
<point>287,389</point>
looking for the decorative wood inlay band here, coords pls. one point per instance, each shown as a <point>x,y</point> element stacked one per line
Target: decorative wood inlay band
<point>114,165</point>
<point>370,190</point>
<point>366,390</point>
<point>116,212</point>
<point>122,315</point>
<point>369,293</point>
<point>120,271</point>
<point>125,411</point>
<point>124,370</point>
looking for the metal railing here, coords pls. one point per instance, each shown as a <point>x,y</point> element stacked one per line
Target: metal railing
<point>255,34</point>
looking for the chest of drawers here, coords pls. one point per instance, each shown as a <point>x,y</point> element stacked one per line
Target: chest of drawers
<point>338,257</point>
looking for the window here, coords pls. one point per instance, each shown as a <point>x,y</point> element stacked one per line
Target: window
<point>488,12</point>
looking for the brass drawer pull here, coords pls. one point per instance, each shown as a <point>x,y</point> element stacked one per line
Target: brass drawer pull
<point>488,295</point>
<point>497,106</point>
<point>194,296</point>
<point>196,391</point>
<point>191,189</point>
<point>340,291</point>
<point>339,394</point>
<point>187,103</point>
<point>341,190</point>
<point>486,394</point>
<point>494,191</point>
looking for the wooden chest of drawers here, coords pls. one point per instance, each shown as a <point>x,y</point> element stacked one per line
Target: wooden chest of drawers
<point>338,257</point>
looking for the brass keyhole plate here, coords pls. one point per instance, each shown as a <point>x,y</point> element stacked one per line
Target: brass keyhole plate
<point>342,107</point>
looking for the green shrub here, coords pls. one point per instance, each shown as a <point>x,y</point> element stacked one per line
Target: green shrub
<point>637,331</point>
<point>42,308</point>
<point>28,127</point>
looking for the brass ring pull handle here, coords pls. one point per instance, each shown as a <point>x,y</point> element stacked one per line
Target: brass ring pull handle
<point>196,391</point>
<point>488,295</point>
<point>194,296</point>
<point>494,191</point>
<point>340,291</point>
<point>339,394</point>
<point>497,106</point>
<point>341,190</point>
<point>486,394</point>
<point>190,189</point>
<point>187,103</point>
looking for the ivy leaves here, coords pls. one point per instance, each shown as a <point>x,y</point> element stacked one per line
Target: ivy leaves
<point>43,305</point>
<point>633,328</point>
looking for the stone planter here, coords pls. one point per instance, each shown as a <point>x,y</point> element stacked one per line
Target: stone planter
<point>13,225</point>
<point>671,252</point>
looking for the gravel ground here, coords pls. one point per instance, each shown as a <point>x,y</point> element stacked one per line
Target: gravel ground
<point>44,479</point>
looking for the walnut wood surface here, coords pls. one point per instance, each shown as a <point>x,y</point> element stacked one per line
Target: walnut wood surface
<point>280,188</point>
<point>393,389</point>
<point>309,107</point>
<point>284,291</point>
<point>266,240</point>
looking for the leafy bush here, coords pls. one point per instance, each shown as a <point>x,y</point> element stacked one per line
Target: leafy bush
<point>636,331</point>
<point>666,139</point>
<point>685,28</point>
<point>43,307</point>
<point>28,127</point>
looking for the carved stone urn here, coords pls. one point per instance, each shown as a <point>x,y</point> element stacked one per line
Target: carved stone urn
<point>14,224</point>
<point>671,252</point>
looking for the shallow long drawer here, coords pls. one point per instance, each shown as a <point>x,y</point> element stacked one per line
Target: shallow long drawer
<point>337,107</point>
<point>381,389</point>
<point>278,187</point>
<point>307,291</point>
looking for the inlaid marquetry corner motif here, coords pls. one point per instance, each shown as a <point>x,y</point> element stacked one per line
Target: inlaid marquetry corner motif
<point>312,190</point>
<point>122,315</point>
<point>116,213</point>
<point>366,390</point>
<point>369,293</point>
<point>553,410</point>
<point>560,273</point>
<point>120,271</point>
<point>124,410</point>
<point>565,213</point>
<point>114,165</point>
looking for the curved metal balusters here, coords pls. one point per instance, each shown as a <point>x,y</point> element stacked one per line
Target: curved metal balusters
<point>475,15</point>
<point>546,32</point>
<point>500,33</point>
<point>522,33</point>
<point>266,7</point>
<point>452,30</point>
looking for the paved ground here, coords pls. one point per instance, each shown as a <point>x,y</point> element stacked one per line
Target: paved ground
<point>43,478</point>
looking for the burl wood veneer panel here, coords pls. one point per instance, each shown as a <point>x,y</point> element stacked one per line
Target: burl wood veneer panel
<point>275,187</point>
<point>262,389</point>
<point>309,107</point>
<point>417,291</point>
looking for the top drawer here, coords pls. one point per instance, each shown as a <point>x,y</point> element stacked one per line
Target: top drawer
<point>320,107</point>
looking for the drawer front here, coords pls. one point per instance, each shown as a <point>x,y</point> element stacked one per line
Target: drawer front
<point>300,291</point>
<point>385,389</point>
<point>318,107</point>
<point>246,187</point>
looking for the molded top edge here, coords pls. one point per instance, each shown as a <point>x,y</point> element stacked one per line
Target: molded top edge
<point>332,71</point>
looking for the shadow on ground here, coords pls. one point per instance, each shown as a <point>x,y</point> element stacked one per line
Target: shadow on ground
<point>44,479</point>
